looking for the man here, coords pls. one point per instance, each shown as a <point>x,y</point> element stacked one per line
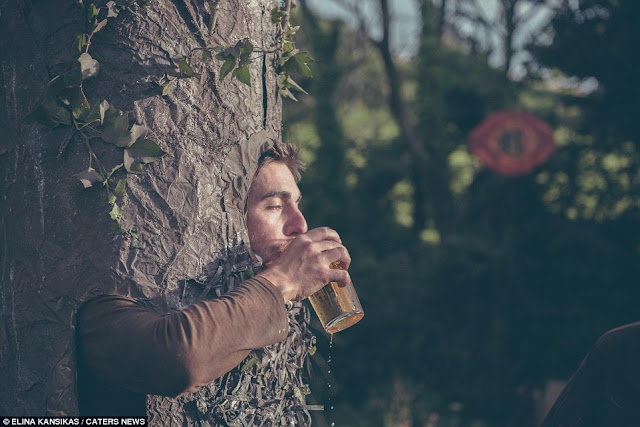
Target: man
<point>605,390</point>
<point>126,351</point>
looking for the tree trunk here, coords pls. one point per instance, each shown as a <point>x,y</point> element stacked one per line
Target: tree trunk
<point>57,244</point>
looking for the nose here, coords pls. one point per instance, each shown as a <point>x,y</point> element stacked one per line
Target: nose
<point>296,223</point>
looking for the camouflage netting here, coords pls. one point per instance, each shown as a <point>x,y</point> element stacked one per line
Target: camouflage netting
<point>57,245</point>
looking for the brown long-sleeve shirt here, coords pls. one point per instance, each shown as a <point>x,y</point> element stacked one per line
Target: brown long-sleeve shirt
<point>126,351</point>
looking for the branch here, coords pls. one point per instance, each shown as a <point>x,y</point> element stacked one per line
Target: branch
<point>396,103</point>
<point>287,15</point>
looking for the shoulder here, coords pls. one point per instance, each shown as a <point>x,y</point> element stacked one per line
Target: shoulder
<point>624,335</point>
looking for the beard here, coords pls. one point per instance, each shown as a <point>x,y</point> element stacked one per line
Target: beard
<point>274,253</point>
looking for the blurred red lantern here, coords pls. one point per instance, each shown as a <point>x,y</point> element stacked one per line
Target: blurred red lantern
<point>512,142</point>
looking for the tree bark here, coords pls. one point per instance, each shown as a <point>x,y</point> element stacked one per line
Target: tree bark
<point>57,245</point>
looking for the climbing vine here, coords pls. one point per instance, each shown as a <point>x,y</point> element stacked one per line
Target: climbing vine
<point>66,105</point>
<point>236,58</point>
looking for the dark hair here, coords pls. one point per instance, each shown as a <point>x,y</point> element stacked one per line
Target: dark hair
<point>286,153</point>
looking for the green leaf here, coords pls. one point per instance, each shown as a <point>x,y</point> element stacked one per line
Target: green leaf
<point>290,83</point>
<point>115,168</point>
<point>277,14</point>
<point>111,198</point>
<point>246,367</point>
<point>301,392</point>
<point>82,41</point>
<point>121,187</point>
<point>285,92</point>
<point>185,68</point>
<point>246,48</point>
<point>298,64</point>
<point>92,12</point>
<point>137,131</point>
<point>247,274</point>
<point>141,152</point>
<point>291,31</point>
<point>51,113</point>
<point>166,89</point>
<point>116,213</point>
<point>89,177</point>
<point>115,128</point>
<point>312,350</point>
<point>90,115</point>
<point>242,74</point>
<point>227,66</point>
<point>232,51</point>
<point>75,98</point>
<point>287,46</point>
<point>88,66</point>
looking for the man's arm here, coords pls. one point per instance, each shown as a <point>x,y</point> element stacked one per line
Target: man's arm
<point>126,345</point>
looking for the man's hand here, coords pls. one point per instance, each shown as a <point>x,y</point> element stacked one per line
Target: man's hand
<point>304,265</point>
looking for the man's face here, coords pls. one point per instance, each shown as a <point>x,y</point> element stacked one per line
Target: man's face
<point>273,217</point>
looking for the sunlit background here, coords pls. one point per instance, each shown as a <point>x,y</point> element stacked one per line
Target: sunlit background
<point>482,291</point>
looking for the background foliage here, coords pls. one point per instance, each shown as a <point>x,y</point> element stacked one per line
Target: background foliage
<point>478,288</point>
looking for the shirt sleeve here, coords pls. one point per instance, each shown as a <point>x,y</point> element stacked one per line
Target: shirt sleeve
<point>124,344</point>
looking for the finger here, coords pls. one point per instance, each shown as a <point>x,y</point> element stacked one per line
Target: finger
<point>339,253</point>
<point>341,277</point>
<point>325,246</point>
<point>323,233</point>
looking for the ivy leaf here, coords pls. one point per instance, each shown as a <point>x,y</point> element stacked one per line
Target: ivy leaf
<point>137,131</point>
<point>116,213</point>
<point>89,177</point>
<point>227,67</point>
<point>246,48</point>
<point>185,68</point>
<point>232,51</point>
<point>113,170</point>
<point>139,153</point>
<point>113,10</point>
<point>246,367</point>
<point>298,64</point>
<point>75,98</point>
<point>88,66</point>
<point>166,89</point>
<point>289,82</point>
<point>51,114</point>
<point>99,26</point>
<point>291,31</point>
<point>89,115</point>
<point>242,74</point>
<point>277,14</point>
<point>104,106</point>
<point>55,86</point>
<point>287,46</point>
<point>288,94</point>
<point>92,12</point>
<point>82,41</point>
<point>111,198</point>
<point>301,392</point>
<point>116,128</point>
<point>121,187</point>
